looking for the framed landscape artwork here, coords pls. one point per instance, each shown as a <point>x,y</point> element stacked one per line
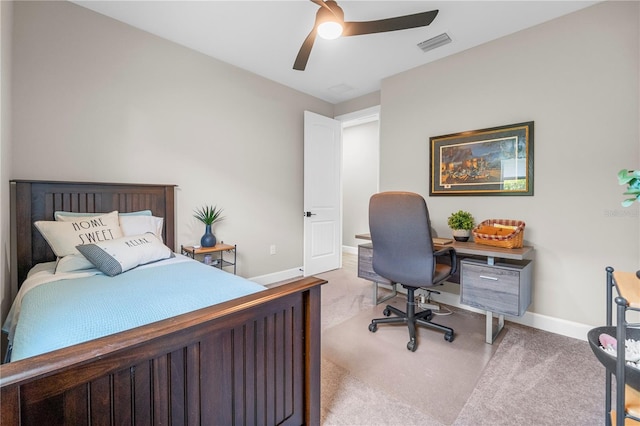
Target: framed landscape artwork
<point>494,161</point>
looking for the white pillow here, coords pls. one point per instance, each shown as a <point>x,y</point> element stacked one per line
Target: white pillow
<point>63,237</point>
<point>64,216</point>
<point>114,257</point>
<point>136,225</point>
<point>72,263</point>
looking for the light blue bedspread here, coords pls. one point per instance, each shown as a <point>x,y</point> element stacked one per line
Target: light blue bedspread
<point>63,313</point>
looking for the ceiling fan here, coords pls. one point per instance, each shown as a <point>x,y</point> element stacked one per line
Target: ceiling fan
<point>330,17</point>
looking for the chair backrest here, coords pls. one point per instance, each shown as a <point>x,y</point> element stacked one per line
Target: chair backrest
<point>401,235</point>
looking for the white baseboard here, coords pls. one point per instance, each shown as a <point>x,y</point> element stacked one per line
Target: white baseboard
<point>278,276</point>
<point>350,250</point>
<point>554,325</point>
<point>542,322</point>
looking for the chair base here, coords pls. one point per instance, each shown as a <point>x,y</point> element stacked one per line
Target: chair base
<point>411,319</point>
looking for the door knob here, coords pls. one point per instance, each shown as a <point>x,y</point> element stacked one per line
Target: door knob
<point>309,214</point>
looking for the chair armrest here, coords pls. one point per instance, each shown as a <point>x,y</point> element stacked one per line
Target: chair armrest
<point>452,256</point>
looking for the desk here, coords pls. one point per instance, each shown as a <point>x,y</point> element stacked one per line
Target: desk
<point>494,279</point>
<point>482,250</point>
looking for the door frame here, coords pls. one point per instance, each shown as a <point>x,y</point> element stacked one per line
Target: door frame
<point>359,117</point>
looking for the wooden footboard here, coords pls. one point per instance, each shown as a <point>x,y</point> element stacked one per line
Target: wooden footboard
<point>253,360</point>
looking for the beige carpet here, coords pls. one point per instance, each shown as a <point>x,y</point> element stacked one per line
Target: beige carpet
<point>534,378</point>
<point>437,379</point>
<point>346,400</point>
<point>538,378</point>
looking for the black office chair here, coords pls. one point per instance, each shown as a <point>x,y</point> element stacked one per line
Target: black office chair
<point>403,253</point>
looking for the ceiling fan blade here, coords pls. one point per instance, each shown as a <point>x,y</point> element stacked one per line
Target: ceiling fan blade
<point>305,50</point>
<point>321,3</point>
<point>390,24</point>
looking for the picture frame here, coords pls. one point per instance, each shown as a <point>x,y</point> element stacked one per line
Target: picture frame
<point>492,161</point>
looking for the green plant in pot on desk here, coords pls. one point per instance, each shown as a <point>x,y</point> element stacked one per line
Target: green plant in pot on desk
<point>461,223</point>
<point>208,215</point>
<point>631,178</point>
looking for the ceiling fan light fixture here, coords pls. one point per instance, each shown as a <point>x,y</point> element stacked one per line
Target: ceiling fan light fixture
<point>330,24</point>
<point>330,20</point>
<point>330,30</point>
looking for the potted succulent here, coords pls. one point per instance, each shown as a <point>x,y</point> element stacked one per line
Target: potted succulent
<point>208,215</point>
<point>630,178</point>
<point>461,223</point>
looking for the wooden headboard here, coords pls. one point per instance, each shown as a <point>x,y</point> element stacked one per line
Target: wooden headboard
<point>33,200</point>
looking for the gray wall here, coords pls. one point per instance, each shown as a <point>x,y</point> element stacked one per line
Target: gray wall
<point>6,12</point>
<point>577,78</point>
<point>97,100</point>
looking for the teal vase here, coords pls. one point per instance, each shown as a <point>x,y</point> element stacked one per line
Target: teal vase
<point>208,239</point>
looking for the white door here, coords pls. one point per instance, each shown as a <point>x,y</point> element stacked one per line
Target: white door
<point>322,193</point>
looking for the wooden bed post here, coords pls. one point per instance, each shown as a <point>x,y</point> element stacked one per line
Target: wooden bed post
<point>313,351</point>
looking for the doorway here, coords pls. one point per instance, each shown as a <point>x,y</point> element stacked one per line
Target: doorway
<point>360,172</point>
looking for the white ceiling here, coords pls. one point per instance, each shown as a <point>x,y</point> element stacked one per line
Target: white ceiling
<point>264,36</point>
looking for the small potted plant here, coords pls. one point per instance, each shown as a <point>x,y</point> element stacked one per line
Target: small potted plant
<point>461,223</point>
<point>208,215</point>
<point>631,178</point>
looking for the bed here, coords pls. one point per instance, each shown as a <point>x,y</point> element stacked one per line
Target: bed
<point>250,360</point>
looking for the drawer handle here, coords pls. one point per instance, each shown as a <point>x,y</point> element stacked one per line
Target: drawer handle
<point>484,277</point>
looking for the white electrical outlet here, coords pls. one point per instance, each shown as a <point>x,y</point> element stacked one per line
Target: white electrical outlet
<point>272,249</point>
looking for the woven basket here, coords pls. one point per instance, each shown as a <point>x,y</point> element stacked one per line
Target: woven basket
<point>515,239</point>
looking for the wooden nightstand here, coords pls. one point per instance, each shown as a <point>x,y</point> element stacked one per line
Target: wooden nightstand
<point>217,254</point>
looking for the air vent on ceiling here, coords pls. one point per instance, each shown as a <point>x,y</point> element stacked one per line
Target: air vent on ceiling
<point>434,42</point>
<point>340,88</point>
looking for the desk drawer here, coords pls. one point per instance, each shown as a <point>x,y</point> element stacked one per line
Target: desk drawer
<point>365,265</point>
<point>501,288</point>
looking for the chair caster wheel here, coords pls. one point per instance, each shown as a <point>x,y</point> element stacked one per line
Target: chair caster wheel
<point>373,327</point>
<point>448,337</point>
<point>386,312</point>
<point>412,345</point>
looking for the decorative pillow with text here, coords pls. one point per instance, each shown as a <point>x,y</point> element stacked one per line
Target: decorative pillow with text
<point>114,257</point>
<point>64,237</point>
